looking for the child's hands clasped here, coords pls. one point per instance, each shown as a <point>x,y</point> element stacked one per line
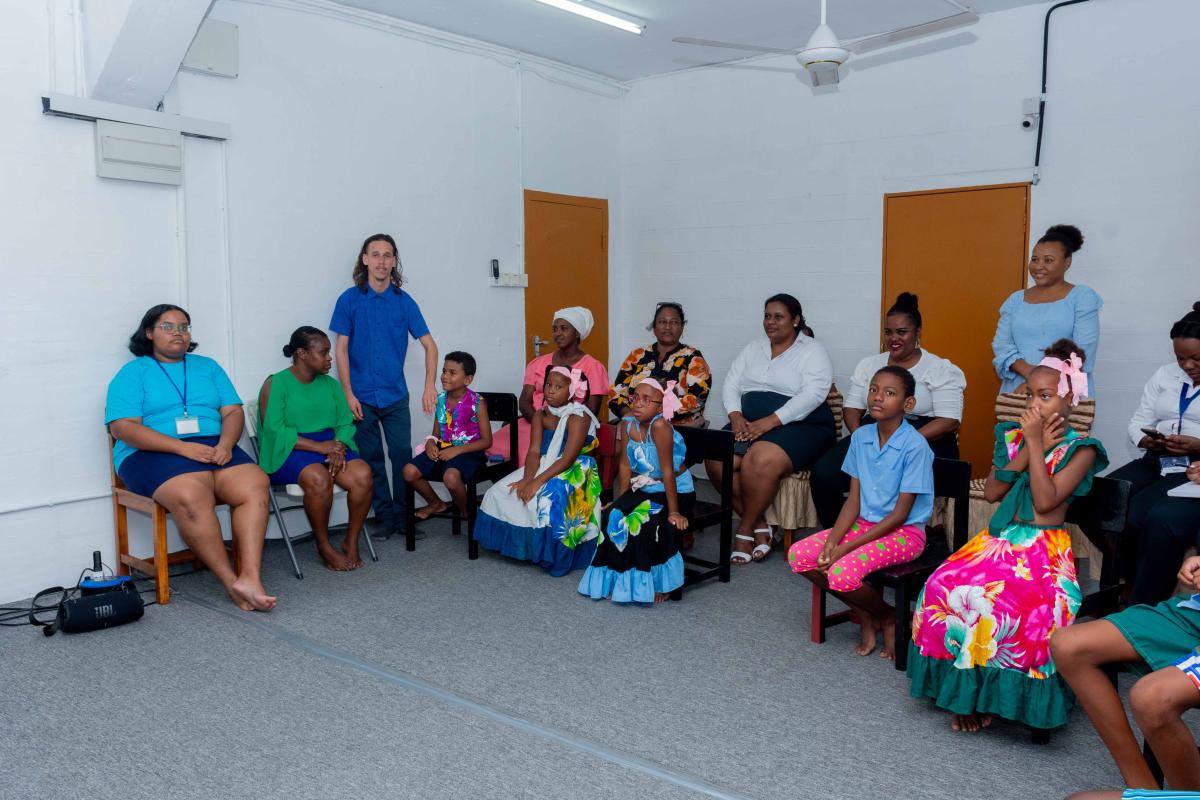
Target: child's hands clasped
<point>525,489</point>
<point>431,450</point>
<point>827,556</point>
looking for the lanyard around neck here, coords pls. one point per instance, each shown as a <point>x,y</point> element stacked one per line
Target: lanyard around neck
<point>175,386</point>
<point>1185,401</point>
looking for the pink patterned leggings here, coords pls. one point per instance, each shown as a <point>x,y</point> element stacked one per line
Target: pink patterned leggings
<point>898,547</point>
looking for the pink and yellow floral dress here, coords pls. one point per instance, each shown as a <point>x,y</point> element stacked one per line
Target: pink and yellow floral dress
<point>982,628</point>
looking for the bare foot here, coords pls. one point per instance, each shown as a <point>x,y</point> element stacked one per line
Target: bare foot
<point>247,592</point>
<point>866,642</point>
<point>428,510</point>
<point>888,627</point>
<point>335,560</point>
<point>661,597</point>
<point>350,551</point>
<point>970,723</point>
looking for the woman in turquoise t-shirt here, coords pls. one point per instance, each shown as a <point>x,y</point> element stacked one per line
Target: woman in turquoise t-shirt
<point>177,420</point>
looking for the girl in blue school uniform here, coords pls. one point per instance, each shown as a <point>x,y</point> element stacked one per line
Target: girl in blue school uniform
<point>882,522</point>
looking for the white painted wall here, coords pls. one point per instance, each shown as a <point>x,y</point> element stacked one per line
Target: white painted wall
<point>725,185</point>
<point>740,182</point>
<point>340,129</point>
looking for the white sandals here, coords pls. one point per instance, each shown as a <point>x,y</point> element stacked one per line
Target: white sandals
<point>761,551</point>
<point>738,557</point>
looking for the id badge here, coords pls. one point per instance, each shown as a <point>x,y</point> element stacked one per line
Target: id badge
<point>1170,465</point>
<point>185,425</point>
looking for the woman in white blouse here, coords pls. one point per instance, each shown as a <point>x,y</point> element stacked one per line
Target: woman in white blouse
<point>775,397</point>
<point>1162,528</point>
<point>937,414</point>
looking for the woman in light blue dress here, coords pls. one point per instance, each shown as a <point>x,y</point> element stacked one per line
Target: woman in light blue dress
<point>1052,309</point>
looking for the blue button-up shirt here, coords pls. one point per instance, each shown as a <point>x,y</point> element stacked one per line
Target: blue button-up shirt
<point>904,464</point>
<point>378,325</point>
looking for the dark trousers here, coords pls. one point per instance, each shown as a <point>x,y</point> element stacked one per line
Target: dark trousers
<point>1158,528</point>
<point>829,484</point>
<point>394,423</point>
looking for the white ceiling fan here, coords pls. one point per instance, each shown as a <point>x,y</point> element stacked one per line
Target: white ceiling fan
<point>824,54</point>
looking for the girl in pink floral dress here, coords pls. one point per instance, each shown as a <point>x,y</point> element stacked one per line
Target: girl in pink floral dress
<point>982,628</point>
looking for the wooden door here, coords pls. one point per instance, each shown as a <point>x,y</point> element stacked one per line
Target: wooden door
<point>566,261</point>
<point>963,252</point>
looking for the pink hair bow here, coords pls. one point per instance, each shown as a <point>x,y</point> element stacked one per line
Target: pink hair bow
<point>670,402</point>
<point>579,384</point>
<point>1071,377</point>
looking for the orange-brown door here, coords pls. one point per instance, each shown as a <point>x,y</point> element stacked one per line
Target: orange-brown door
<point>962,251</point>
<point>566,261</point>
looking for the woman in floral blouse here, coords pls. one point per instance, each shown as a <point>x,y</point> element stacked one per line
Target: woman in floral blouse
<point>666,359</point>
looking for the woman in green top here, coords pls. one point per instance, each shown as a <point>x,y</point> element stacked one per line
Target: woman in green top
<point>306,436</point>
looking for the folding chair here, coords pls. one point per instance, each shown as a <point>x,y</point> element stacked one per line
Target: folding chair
<point>293,491</point>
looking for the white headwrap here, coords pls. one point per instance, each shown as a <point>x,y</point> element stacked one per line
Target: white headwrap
<point>579,317</point>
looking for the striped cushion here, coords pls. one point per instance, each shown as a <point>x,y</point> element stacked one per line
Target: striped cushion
<point>1009,408</point>
<point>977,485</point>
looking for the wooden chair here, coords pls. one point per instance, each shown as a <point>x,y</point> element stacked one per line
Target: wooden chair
<point>502,408</point>
<point>293,491</point>
<point>951,479</point>
<point>157,566</point>
<point>712,445</point>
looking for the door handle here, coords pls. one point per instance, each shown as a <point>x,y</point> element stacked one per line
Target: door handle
<point>537,345</point>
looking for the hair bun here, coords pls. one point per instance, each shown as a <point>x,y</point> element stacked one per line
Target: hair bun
<point>1069,235</point>
<point>288,351</point>
<point>1196,307</point>
<point>906,301</point>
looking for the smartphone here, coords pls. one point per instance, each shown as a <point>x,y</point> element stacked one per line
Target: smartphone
<point>1154,433</point>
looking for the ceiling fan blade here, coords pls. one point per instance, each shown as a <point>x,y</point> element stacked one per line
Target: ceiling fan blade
<point>951,22</point>
<point>730,45</point>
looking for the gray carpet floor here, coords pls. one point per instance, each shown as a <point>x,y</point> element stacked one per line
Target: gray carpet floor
<point>426,675</point>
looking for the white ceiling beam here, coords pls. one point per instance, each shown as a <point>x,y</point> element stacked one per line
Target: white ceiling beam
<point>146,55</point>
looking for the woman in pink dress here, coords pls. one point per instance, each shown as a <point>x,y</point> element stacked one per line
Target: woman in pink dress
<point>568,330</point>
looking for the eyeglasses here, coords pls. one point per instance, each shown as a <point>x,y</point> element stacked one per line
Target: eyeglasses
<point>170,327</point>
<point>639,399</point>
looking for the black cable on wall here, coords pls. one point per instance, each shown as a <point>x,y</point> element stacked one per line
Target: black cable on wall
<point>1037,157</point>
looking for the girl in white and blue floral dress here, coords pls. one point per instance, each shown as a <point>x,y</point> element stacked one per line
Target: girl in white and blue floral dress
<point>637,556</point>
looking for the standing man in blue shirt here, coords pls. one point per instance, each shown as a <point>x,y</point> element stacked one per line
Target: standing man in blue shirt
<point>373,320</point>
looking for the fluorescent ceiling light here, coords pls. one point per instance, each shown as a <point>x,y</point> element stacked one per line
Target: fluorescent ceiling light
<point>593,13</point>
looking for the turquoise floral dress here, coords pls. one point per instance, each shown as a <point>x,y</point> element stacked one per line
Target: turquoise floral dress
<point>558,528</point>
<point>982,628</point>
<point>638,553</point>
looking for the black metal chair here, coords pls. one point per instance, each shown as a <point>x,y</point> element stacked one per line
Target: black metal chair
<point>702,445</point>
<point>951,479</point>
<point>502,408</point>
<point>1101,516</point>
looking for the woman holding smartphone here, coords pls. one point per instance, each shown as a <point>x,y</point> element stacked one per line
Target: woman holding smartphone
<point>1167,426</point>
